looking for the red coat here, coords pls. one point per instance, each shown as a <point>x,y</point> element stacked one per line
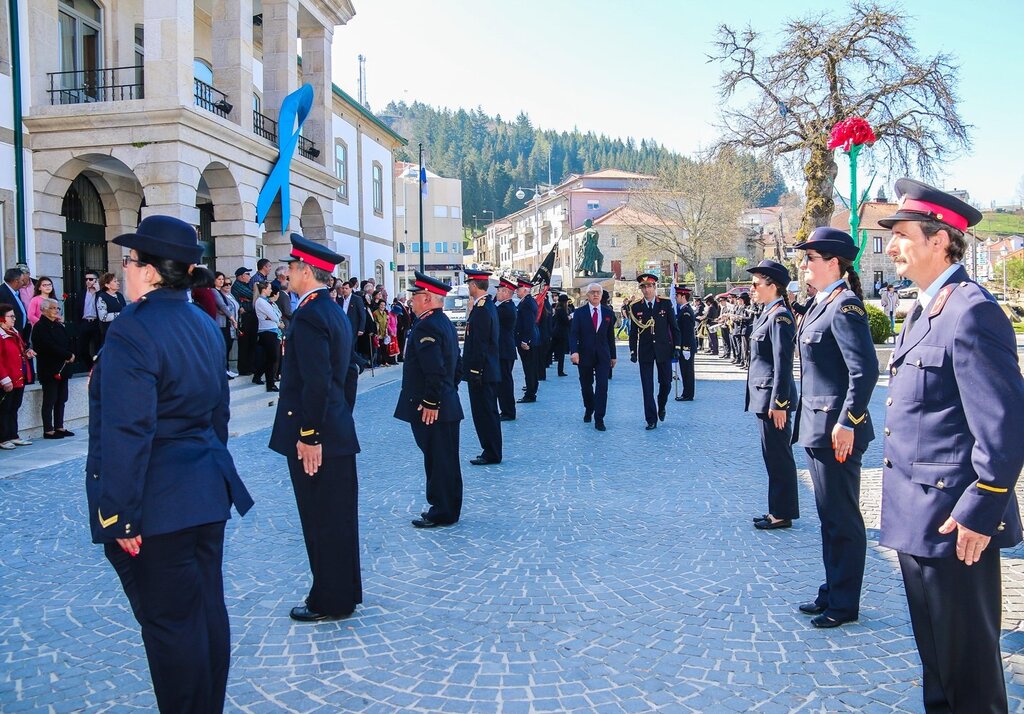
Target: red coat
<point>204,298</point>
<point>12,358</point>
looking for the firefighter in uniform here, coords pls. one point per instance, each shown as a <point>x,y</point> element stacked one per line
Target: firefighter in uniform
<point>481,365</point>
<point>653,341</point>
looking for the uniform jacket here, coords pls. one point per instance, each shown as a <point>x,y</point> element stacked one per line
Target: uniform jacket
<point>686,321</point>
<point>312,406</point>
<point>656,343</point>
<point>838,371</point>
<point>560,321</point>
<point>432,371</point>
<point>770,383</point>
<point>954,428</point>
<point>544,325</point>
<point>480,347</point>
<point>507,316</point>
<point>595,347</point>
<point>158,423</point>
<point>711,314</point>
<point>526,322</point>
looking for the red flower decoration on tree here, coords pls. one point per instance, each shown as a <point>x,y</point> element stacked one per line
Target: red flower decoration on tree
<point>851,132</point>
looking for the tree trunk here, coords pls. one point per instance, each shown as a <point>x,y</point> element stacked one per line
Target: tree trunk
<point>820,174</point>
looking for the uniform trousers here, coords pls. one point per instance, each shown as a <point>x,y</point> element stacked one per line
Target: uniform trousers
<point>328,504</point>
<point>248,326</point>
<point>594,387</point>
<point>726,341</point>
<point>528,358</point>
<point>483,402</point>
<point>351,387</point>
<point>777,451</point>
<point>652,407</point>
<point>543,360</point>
<point>88,343</point>
<point>686,373</point>
<point>175,587</point>
<point>843,539</point>
<point>507,389</point>
<point>439,443</point>
<point>956,610</point>
<point>713,341</point>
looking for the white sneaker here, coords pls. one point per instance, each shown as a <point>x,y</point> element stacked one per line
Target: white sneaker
<point>21,442</point>
<point>7,445</point>
<point>232,375</point>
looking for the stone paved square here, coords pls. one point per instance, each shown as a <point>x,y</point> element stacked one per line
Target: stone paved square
<point>590,572</point>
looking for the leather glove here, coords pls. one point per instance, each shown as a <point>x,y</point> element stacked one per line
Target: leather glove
<point>632,356</point>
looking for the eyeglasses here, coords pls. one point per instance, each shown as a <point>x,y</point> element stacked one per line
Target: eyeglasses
<point>128,259</point>
<point>90,280</point>
<point>9,316</point>
<point>811,258</point>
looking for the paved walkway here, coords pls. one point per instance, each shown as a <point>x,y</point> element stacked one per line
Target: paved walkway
<point>591,572</point>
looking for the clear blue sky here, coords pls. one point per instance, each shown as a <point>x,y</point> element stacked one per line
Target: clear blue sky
<point>639,68</point>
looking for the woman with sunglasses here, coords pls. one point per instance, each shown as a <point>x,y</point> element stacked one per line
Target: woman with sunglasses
<point>160,480</point>
<point>838,372</point>
<point>771,391</point>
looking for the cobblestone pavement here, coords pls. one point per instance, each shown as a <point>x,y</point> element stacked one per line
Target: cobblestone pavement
<point>591,572</point>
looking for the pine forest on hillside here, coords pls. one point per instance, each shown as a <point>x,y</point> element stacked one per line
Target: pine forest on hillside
<point>494,157</point>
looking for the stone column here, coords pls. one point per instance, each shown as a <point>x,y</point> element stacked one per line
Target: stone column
<point>232,56</point>
<point>280,54</point>
<point>170,50</point>
<point>316,70</point>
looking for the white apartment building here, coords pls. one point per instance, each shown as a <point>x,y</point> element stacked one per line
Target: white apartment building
<point>139,107</point>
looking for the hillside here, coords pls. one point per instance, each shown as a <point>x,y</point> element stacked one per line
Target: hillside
<point>1001,224</point>
<point>494,157</point>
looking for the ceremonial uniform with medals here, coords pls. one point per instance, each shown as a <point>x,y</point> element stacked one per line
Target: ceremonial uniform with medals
<point>159,469</point>
<point>312,408</point>
<point>483,373</point>
<point>838,372</point>
<point>653,342</point>
<point>686,321</point>
<point>770,385</point>
<point>507,316</point>
<point>430,379</point>
<point>528,333</point>
<point>954,448</point>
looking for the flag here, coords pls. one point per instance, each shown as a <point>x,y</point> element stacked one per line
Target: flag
<point>544,276</point>
<point>423,180</point>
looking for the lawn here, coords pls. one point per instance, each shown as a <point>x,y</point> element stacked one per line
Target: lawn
<point>1001,224</point>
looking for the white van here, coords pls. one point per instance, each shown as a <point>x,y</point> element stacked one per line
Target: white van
<point>456,307</point>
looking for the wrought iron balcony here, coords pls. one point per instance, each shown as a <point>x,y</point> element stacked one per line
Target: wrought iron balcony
<point>264,126</point>
<point>109,84</point>
<point>307,147</point>
<point>212,99</point>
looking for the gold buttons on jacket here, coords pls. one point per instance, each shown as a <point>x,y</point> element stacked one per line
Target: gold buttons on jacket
<point>289,413</point>
<point>887,432</point>
<point>893,371</point>
<point>1001,527</point>
<point>940,484</point>
<point>918,363</point>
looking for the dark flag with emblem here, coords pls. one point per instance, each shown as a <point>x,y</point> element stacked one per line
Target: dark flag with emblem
<point>543,276</point>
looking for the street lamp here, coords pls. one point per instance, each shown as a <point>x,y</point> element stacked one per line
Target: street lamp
<point>1002,254</point>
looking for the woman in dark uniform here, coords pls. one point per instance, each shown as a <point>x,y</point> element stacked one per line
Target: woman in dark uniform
<point>771,391</point>
<point>160,481</point>
<point>838,372</point>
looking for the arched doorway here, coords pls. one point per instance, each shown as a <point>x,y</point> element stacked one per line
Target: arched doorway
<point>83,242</point>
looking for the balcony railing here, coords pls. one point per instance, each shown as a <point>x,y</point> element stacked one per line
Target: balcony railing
<point>211,99</point>
<point>307,147</point>
<point>264,126</point>
<point>109,84</point>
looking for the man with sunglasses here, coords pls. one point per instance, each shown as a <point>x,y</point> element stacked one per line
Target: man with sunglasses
<point>89,328</point>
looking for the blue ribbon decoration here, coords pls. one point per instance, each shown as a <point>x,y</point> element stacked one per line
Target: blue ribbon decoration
<point>296,104</point>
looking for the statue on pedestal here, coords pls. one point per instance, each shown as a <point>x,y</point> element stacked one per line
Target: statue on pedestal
<point>589,258</point>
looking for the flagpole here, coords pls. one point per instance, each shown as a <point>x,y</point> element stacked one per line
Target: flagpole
<point>421,208</point>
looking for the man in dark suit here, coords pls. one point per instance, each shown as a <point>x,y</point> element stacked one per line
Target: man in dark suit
<point>10,293</point>
<point>507,316</point>
<point>353,306</point>
<point>686,321</point>
<point>592,350</point>
<point>653,341</point>
<point>480,362</point>
<point>544,330</point>
<point>313,428</point>
<point>429,400</point>
<point>953,453</point>
<point>527,339</point>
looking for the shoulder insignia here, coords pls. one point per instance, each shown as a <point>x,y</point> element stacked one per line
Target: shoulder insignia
<point>941,298</point>
<point>428,338</point>
<point>784,319</point>
<point>481,301</point>
<point>106,522</point>
<point>855,420</point>
<point>853,308</point>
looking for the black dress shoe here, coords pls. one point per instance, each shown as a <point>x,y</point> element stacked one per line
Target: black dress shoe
<point>64,433</point>
<point>424,522</point>
<point>586,417</point>
<point>54,435</point>
<point>687,399</point>
<point>563,374</point>
<point>599,425</point>
<point>767,525</point>
<point>257,381</point>
<point>526,400</point>
<point>272,389</point>
<point>481,461</point>
<point>826,622</point>
<point>811,608</point>
<point>506,417</point>
<point>764,517</point>
<point>680,399</point>
<point>651,425</point>
<point>661,414</point>
<point>302,613</point>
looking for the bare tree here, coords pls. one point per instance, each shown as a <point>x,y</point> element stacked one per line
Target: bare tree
<point>826,70</point>
<point>691,210</point>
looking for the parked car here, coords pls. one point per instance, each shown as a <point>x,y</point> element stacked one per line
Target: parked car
<point>901,284</point>
<point>909,292</point>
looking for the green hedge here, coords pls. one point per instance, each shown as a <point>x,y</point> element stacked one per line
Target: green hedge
<point>881,328</point>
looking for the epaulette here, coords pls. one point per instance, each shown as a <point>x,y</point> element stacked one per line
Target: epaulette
<point>481,301</point>
<point>943,297</point>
